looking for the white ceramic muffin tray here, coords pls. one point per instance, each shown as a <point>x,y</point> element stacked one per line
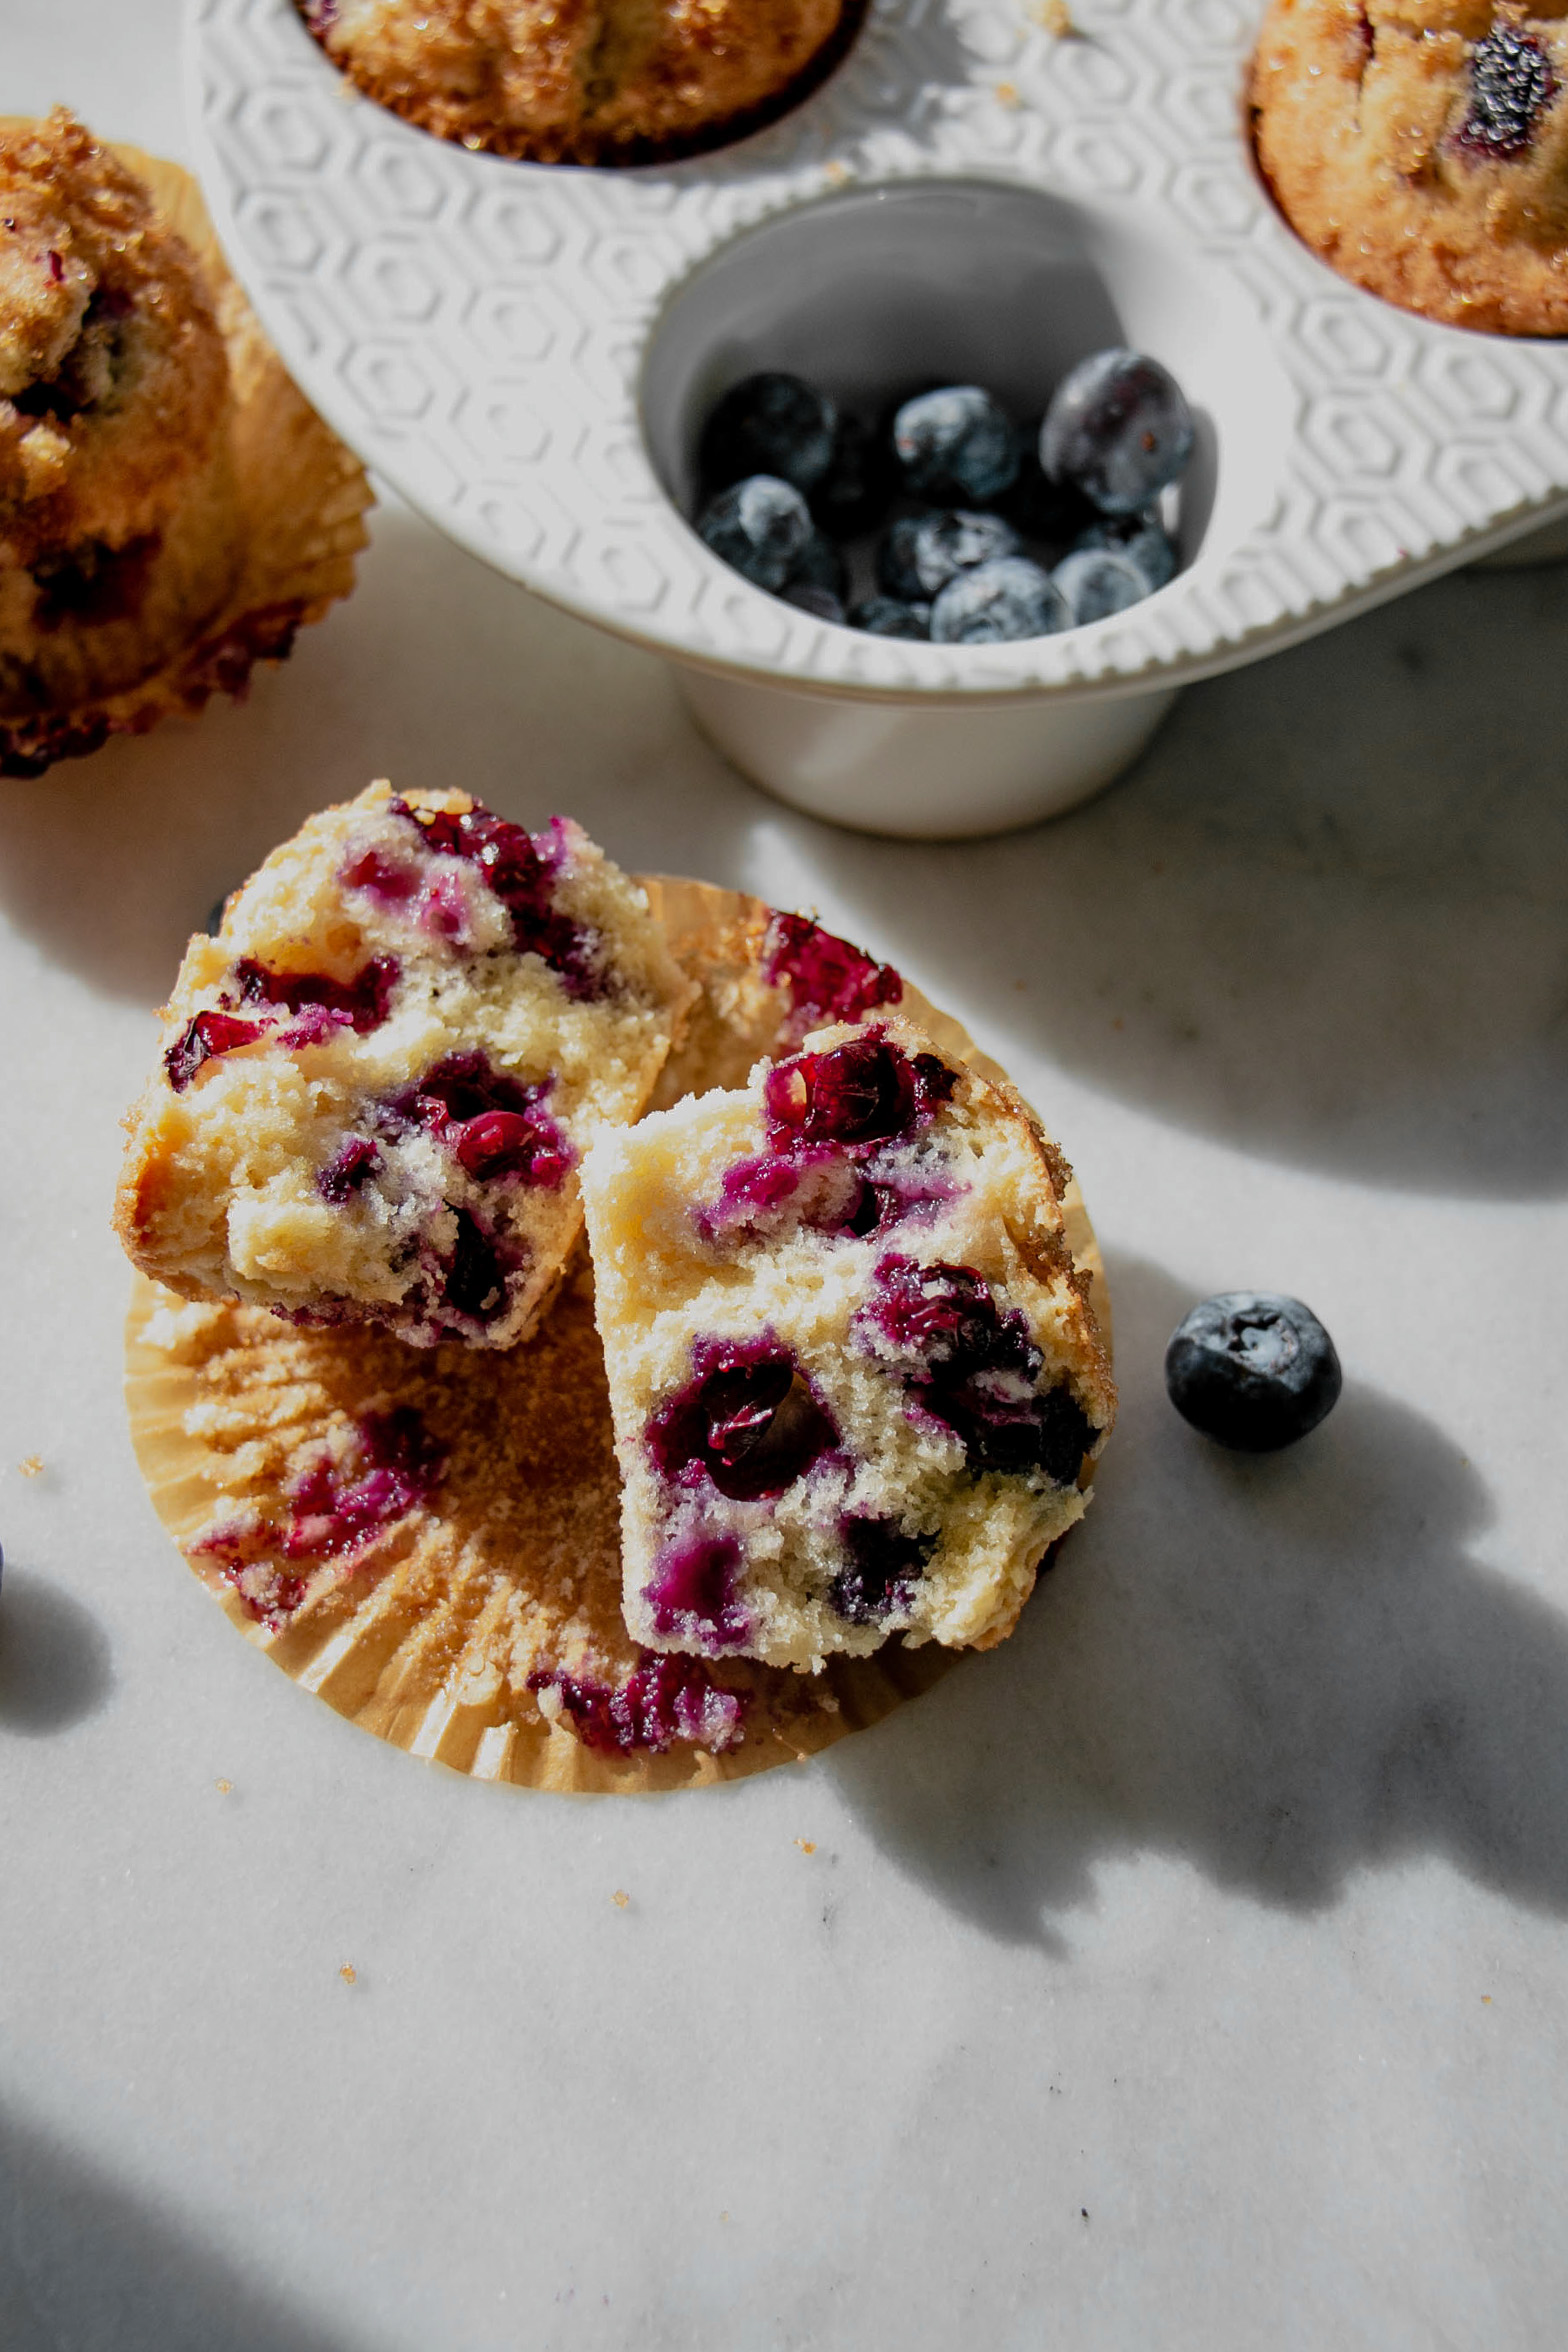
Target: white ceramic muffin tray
<point>528,352</point>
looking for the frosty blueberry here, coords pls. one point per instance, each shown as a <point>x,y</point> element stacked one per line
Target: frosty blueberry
<point>1252,1370</point>
<point>956,445</point>
<point>855,492</point>
<point>1098,582</point>
<point>1119,427</point>
<point>760,527</point>
<point>998,603</point>
<point>892,616</point>
<point>769,424</point>
<point>1142,539</point>
<point>921,553</point>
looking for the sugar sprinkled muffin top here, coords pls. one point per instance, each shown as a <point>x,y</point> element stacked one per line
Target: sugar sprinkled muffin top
<point>854,1375</point>
<point>1421,147</point>
<point>581,81</point>
<point>114,381</point>
<point>377,1081</point>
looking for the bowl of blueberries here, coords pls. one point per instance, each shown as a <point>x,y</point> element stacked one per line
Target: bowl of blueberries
<point>945,415</point>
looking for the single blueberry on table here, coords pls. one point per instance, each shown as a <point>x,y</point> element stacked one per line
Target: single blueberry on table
<point>998,603</point>
<point>921,553</point>
<point>857,489</point>
<point>760,527</point>
<point>1098,582</point>
<point>1252,1370</point>
<point>1119,427</point>
<point>1142,539</point>
<point>821,603</point>
<point>956,445</point>
<point>891,616</point>
<point>769,424</point>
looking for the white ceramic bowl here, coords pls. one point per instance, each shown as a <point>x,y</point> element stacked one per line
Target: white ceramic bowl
<point>528,352</point>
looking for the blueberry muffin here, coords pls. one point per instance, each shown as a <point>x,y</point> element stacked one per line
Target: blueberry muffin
<point>1421,147</point>
<point>379,1078</point>
<point>119,527</point>
<point>582,81</point>
<point>855,1379</point>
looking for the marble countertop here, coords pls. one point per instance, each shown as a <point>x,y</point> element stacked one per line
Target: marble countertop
<point>1186,1973</point>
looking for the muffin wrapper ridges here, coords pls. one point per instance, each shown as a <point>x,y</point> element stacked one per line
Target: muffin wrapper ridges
<point>429,1635</point>
<point>302,498</point>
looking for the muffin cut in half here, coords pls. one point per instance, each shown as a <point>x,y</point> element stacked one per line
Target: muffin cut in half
<point>855,1380</point>
<point>584,81</point>
<point>379,1078</point>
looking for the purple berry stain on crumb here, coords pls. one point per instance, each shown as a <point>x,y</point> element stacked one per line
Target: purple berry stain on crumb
<point>748,1420</point>
<point>495,1125</point>
<point>828,978</point>
<point>1511,84</point>
<point>691,1595</point>
<point>866,1090</point>
<point>347,1170</point>
<point>336,1508</point>
<point>522,869</point>
<point>885,1564</point>
<point>203,1039</point>
<point>661,1701</point>
<point>360,1004</point>
<point>973,1368</point>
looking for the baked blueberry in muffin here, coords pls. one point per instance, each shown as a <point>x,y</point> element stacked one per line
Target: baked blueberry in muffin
<point>855,1380</point>
<point>378,1080</point>
<point>119,533</point>
<point>1421,147</point>
<point>582,81</point>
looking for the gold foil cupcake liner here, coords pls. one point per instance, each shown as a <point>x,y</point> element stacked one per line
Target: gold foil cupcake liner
<point>474,1628</point>
<point>301,497</point>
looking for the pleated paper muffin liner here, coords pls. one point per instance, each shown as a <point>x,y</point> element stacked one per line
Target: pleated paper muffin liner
<point>473,1615</point>
<point>300,496</point>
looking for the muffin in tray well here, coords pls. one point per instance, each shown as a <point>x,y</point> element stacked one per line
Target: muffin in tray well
<point>1421,147</point>
<point>379,1078</point>
<point>582,81</point>
<point>855,1380</point>
<point>118,526</point>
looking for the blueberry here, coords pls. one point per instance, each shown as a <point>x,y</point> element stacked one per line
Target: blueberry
<point>820,565</point>
<point>1511,80</point>
<point>921,553</point>
<point>1252,1370</point>
<point>997,603</point>
<point>1119,427</point>
<point>768,424</point>
<point>891,616</point>
<point>760,527</point>
<point>1098,582</point>
<point>821,603</point>
<point>1142,538</point>
<point>1056,513</point>
<point>857,489</point>
<point>956,445</point>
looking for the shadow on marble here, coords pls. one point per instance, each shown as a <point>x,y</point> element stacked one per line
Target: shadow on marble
<point>55,1661</point>
<point>1324,917</point>
<point>1282,1670</point>
<point>437,673</point>
<point>90,2264</point>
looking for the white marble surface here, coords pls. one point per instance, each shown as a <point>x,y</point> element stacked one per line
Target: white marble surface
<point>1189,1973</point>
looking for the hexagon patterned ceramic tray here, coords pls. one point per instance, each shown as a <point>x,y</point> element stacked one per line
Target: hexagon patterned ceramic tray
<point>525,351</point>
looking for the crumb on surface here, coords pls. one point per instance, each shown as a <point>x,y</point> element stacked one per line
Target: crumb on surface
<point>806,1845</point>
<point>1007,94</point>
<point>1054,17</point>
<point>32,1466</point>
<point>224,1787</point>
<point>620,1899</point>
<point>349,1973</point>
